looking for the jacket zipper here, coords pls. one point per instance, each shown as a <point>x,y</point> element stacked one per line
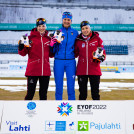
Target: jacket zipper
<point>66,43</point>
<point>87,55</point>
<point>42,55</point>
<point>86,51</point>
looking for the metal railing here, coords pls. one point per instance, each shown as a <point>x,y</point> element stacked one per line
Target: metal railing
<point>105,63</point>
<point>118,63</point>
<point>105,42</point>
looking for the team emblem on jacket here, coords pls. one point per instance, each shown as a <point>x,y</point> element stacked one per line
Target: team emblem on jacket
<point>83,45</point>
<point>72,33</point>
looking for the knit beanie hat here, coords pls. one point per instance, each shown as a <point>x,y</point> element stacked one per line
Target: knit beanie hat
<point>67,15</point>
<point>40,21</point>
<point>84,23</point>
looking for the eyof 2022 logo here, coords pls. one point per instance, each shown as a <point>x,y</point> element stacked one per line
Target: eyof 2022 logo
<point>64,109</point>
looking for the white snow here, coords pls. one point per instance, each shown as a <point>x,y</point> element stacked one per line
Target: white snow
<point>113,75</point>
<point>21,85</point>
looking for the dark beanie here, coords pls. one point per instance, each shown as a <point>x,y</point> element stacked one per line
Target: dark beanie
<point>84,23</point>
<point>40,21</point>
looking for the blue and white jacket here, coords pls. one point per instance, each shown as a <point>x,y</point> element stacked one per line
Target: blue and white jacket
<point>65,50</point>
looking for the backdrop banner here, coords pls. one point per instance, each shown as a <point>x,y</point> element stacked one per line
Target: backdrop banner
<point>67,117</point>
<point>52,27</point>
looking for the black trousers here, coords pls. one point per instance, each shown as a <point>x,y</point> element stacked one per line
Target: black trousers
<point>94,83</point>
<point>31,87</point>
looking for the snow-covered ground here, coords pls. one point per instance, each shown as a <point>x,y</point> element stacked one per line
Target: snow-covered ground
<point>21,85</point>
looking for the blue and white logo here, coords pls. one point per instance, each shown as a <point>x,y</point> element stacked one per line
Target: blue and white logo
<point>31,109</point>
<point>50,126</point>
<point>60,126</point>
<point>71,126</point>
<point>31,105</point>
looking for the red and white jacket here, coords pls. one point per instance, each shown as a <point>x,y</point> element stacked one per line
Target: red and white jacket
<point>84,48</point>
<point>38,54</point>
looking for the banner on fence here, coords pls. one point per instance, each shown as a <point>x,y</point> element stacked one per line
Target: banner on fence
<point>109,68</point>
<point>125,69</point>
<point>94,27</point>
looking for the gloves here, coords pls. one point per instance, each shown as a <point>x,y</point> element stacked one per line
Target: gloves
<point>59,36</point>
<point>101,58</point>
<point>53,41</point>
<point>98,55</point>
<point>25,40</point>
<point>21,45</point>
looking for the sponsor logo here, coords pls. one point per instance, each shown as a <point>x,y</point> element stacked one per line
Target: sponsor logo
<point>60,126</point>
<point>73,76</point>
<point>31,109</point>
<point>15,126</point>
<point>86,126</point>
<point>31,81</point>
<point>50,125</point>
<point>17,67</point>
<point>31,105</point>
<point>83,125</point>
<point>88,109</point>
<point>64,109</point>
<point>47,43</point>
<point>93,43</point>
<point>102,126</point>
<point>71,126</point>
<point>109,69</point>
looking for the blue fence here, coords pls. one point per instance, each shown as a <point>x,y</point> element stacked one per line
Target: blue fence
<point>110,49</point>
<point>8,48</point>
<point>116,49</point>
